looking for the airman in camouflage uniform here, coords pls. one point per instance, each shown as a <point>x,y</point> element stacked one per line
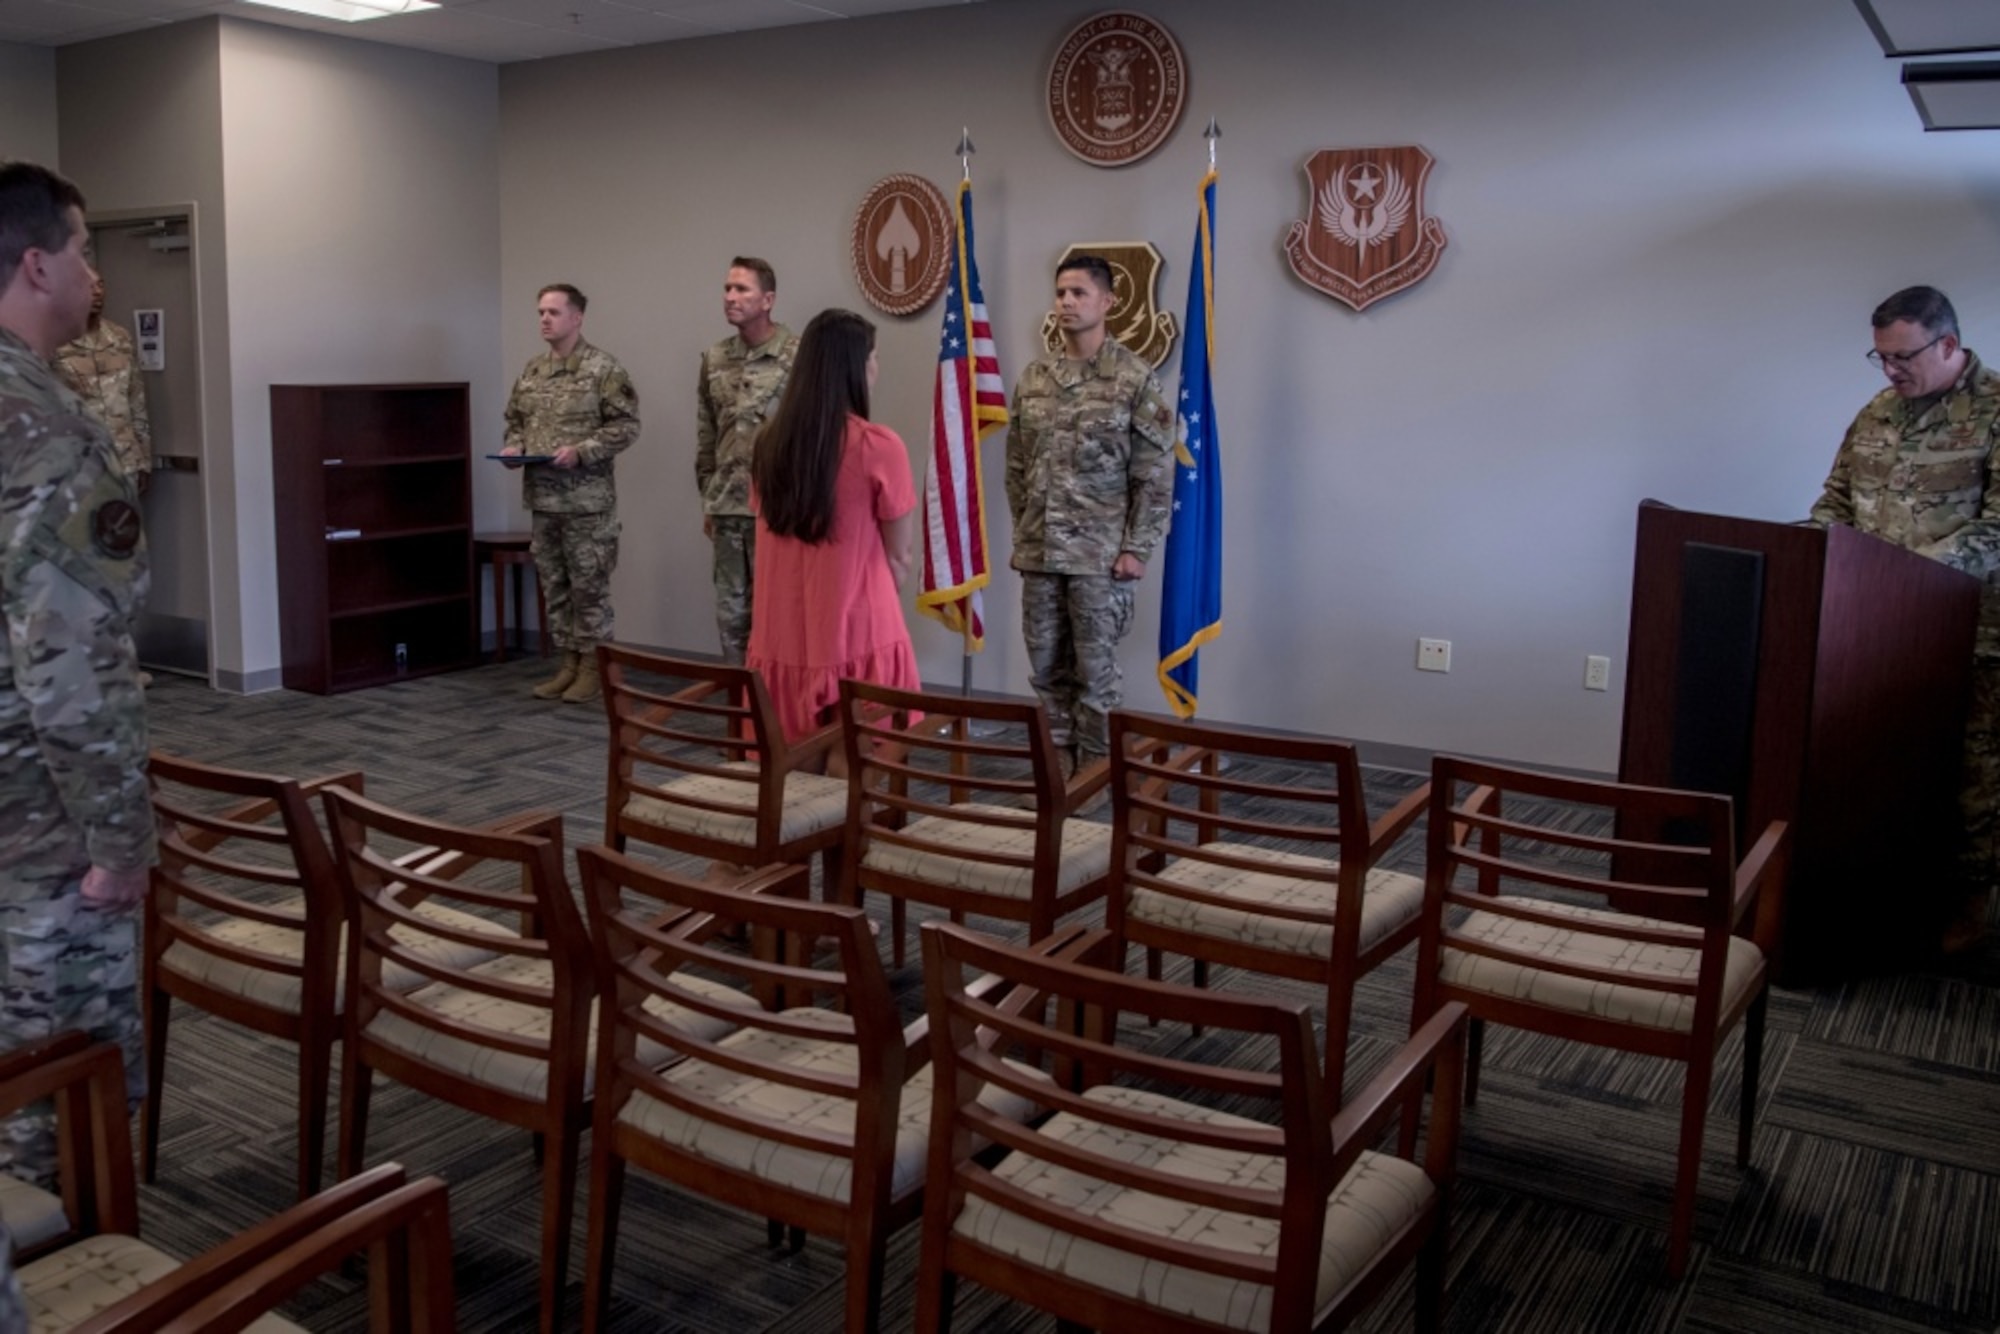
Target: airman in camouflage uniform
<point>742,379</point>
<point>1089,481</point>
<point>76,827</point>
<point>1914,469</point>
<point>575,404</point>
<point>13,1308</point>
<point>103,367</point>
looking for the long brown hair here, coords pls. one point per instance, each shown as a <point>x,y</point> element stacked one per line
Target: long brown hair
<point>797,456</point>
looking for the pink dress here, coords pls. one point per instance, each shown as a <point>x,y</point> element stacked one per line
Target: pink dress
<point>823,613</point>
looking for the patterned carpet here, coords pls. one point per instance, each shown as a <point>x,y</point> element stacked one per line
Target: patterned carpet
<point>1872,1202</point>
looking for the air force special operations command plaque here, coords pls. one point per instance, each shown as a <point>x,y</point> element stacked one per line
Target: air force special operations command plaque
<point>902,244</point>
<point>1366,235</point>
<point>1116,88</point>
<point>1135,270</point>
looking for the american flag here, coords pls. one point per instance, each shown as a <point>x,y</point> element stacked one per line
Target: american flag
<point>971,400</point>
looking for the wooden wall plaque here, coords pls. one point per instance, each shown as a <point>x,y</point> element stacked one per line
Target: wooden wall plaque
<point>1116,88</point>
<point>1365,235</point>
<point>901,244</point>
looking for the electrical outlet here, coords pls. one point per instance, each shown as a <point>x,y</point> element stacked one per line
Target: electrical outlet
<point>1596,673</point>
<point>1433,655</point>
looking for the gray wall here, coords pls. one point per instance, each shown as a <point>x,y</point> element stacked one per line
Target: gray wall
<point>1667,223</point>
<point>360,241</point>
<point>141,121</point>
<point>28,103</point>
<point>364,240</point>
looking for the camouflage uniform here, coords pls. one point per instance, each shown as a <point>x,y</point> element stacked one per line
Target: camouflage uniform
<point>738,392</point>
<point>1915,473</point>
<point>13,1307</point>
<point>72,731</point>
<point>1089,475</point>
<point>585,400</point>
<point>103,367</point>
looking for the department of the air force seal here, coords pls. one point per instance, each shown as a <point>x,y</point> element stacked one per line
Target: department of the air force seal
<point>902,244</point>
<point>1116,88</point>
<point>1135,268</point>
<point>1366,235</point>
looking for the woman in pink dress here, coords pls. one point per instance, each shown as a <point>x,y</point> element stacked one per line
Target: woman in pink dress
<point>836,515</point>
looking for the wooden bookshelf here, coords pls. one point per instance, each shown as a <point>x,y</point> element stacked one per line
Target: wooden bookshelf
<point>374,503</point>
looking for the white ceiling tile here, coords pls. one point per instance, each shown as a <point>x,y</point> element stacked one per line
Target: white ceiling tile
<point>744,15</point>
<point>495,30</point>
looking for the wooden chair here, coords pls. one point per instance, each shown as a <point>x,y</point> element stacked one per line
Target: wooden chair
<point>968,812</point>
<point>706,770</point>
<point>38,1220</point>
<point>1322,911</point>
<point>814,1116</point>
<point>1671,949</point>
<point>245,922</point>
<point>1134,1208</point>
<point>107,1281</point>
<point>512,1038</point>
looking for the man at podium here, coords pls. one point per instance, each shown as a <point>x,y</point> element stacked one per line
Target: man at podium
<point>1913,470</point>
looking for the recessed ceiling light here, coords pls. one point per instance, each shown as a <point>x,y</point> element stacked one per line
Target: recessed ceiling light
<point>349,11</point>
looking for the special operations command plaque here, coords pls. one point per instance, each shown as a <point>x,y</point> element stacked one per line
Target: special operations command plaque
<point>1365,235</point>
<point>902,244</point>
<point>1135,268</point>
<point>1116,88</point>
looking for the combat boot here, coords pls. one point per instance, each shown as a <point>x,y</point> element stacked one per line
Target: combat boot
<point>564,678</point>
<point>586,686</point>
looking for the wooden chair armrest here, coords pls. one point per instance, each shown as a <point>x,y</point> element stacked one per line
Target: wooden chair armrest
<point>1397,821</point>
<point>1438,1043</point>
<point>1475,802</point>
<point>813,747</point>
<point>293,1247</point>
<point>1084,784</point>
<point>351,779</point>
<point>1769,859</point>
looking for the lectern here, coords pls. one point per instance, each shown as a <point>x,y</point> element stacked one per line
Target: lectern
<point>1818,676</point>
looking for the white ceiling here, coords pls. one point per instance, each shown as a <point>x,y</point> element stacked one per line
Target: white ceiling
<point>494,30</point>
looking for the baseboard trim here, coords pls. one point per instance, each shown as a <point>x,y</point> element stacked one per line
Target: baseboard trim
<point>250,683</point>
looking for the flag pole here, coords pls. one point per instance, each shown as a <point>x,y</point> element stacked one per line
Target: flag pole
<point>965,151</point>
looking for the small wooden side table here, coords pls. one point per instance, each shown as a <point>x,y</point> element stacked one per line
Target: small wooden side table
<point>504,551</point>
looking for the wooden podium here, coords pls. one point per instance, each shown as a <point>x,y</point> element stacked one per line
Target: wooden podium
<point>1818,676</point>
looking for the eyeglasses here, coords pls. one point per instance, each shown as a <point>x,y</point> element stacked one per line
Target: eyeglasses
<point>1883,360</point>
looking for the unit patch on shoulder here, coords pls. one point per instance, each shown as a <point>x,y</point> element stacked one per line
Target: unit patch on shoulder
<point>114,528</point>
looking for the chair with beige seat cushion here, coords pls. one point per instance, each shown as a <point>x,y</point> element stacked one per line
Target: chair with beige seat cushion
<point>1652,939</point>
<point>1188,801</point>
<point>508,1038</point>
<point>1139,1204</point>
<point>815,1116</point>
<point>109,1281</point>
<point>967,810</point>
<point>245,922</point>
<point>704,769</point>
